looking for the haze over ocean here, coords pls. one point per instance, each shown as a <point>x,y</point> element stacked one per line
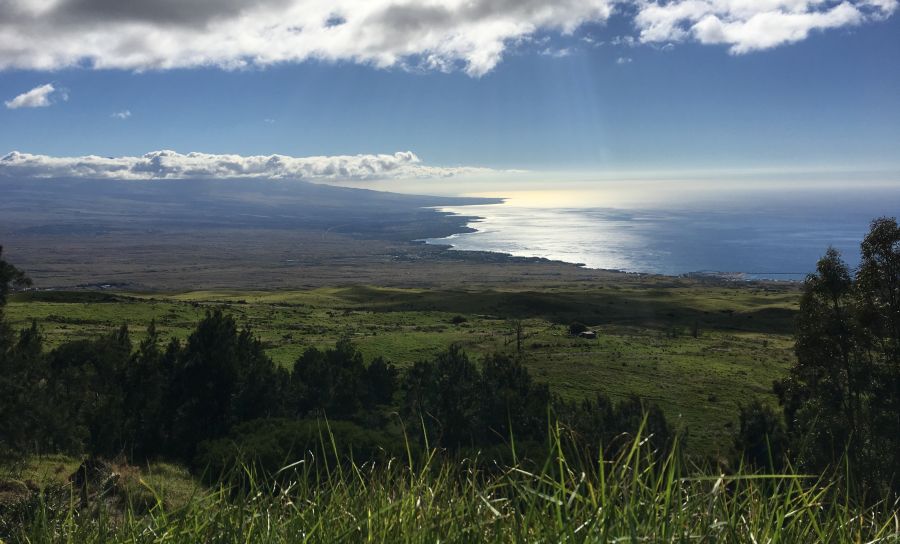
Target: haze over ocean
<point>755,235</point>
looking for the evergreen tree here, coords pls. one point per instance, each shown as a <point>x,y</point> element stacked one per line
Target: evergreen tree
<point>842,397</point>
<point>760,439</point>
<point>510,402</point>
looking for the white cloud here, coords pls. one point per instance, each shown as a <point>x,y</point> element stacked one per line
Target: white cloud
<point>623,60</point>
<point>751,25</point>
<point>627,41</point>
<point>173,165</point>
<point>161,34</point>
<point>39,97</point>
<point>447,35</point>
<point>557,53</point>
<point>124,114</point>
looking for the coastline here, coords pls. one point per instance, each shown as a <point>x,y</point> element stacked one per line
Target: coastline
<point>469,225</point>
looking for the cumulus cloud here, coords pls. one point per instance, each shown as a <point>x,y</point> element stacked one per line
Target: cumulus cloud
<point>160,34</point>
<point>446,35</point>
<point>751,25</point>
<point>39,97</point>
<point>124,114</point>
<point>173,165</point>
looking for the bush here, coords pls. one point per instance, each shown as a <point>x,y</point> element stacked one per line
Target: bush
<point>267,446</point>
<point>761,437</point>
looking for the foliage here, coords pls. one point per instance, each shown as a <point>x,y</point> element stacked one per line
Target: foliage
<point>266,446</point>
<point>760,440</point>
<point>842,397</point>
<point>20,374</point>
<point>603,427</point>
<point>736,358</point>
<point>337,381</point>
<point>459,405</point>
<point>100,397</point>
<point>10,277</point>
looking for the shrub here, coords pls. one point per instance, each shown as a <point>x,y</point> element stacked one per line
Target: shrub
<point>266,446</point>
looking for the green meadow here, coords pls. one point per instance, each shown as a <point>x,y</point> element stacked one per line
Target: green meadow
<point>699,350</point>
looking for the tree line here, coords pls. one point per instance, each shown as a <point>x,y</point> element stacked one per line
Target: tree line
<point>191,401</point>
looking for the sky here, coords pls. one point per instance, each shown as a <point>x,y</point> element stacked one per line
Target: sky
<point>374,90</point>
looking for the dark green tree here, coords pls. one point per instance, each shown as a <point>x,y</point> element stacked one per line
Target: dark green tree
<point>330,381</point>
<point>24,400</point>
<point>510,403</point>
<point>381,382</point>
<point>821,396</point>
<point>10,277</point>
<point>841,396</point>
<point>600,425</point>
<point>147,395</point>
<point>87,381</point>
<point>443,396</point>
<point>221,376</point>
<point>760,440</point>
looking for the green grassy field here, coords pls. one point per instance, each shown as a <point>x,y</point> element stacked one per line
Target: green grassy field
<point>635,496</point>
<point>645,346</point>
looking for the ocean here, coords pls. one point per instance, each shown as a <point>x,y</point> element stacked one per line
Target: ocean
<point>764,235</point>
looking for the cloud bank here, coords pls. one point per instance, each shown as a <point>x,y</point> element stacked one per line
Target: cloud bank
<point>471,35</point>
<point>39,97</point>
<point>173,165</point>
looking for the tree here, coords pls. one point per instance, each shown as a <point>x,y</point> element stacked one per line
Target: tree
<point>601,426</point>
<point>204,380</point>
<point>23,397</point>
<point>443,395</point>
<point>10,277</point>
<point>878,283</point>
<point>842,396</point>
<point>761,439</point>
<point>147,399</point>
<point>510,403</point>
<point>333,381</point>
<point>381,382</point>
<point>87,382</point>
<point>821,396</point>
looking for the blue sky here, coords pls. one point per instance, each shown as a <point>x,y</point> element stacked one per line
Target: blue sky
<point>609,96</point>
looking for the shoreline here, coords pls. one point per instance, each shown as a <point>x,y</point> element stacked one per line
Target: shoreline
<point>466,227</point>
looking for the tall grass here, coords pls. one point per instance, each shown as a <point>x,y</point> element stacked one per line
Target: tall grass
<point>636,496</point>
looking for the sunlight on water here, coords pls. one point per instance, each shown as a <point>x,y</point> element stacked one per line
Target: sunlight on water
<point>762,234</point>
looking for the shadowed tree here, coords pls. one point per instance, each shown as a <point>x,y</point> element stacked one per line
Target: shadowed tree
<point>333,381</point>
<point>761,439</point>
<point>443,395</point>
<point>842,397</point>
<point>10,277</point>
<point>221,377</point>
<point>509,397</point>
<point>87,378</point>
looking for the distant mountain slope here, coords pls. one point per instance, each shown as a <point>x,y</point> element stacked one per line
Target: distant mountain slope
<point>85,206</point>
<point>241,234</point>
